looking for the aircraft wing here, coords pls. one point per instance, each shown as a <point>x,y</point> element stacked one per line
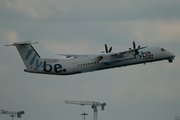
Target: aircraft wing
<point>85,55</point>
<point>109,58</point>
<point>118,57</point>
<point>75,55</point>
<point>128,51</point>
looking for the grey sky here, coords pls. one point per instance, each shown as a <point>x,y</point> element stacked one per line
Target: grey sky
<point>140,92</point>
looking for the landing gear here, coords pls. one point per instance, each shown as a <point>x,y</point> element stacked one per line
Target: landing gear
<point>170,61</point>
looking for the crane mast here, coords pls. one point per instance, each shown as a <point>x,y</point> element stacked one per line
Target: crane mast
<point>91,103</point>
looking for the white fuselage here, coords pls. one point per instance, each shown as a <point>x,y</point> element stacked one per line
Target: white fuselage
<point>89,63</point>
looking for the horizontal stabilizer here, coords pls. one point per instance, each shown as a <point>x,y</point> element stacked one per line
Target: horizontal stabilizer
<point>22,43</point>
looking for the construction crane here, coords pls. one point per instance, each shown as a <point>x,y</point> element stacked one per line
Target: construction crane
<point>91,103</point>
<point>13,113</point>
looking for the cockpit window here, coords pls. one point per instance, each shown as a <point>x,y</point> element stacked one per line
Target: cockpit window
<point>162,49</point>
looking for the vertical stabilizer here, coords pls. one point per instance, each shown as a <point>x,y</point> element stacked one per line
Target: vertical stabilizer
<point>28,54</point>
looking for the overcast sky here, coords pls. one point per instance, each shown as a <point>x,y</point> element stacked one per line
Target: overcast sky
<point>139,92</point>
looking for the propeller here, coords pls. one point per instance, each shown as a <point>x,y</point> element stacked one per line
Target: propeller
<point>106,48</point>
<point>134,45</point>
<point>136,50</point>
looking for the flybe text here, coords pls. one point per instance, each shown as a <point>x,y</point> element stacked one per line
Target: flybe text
<point>38,63</point>
<point>145,55</point>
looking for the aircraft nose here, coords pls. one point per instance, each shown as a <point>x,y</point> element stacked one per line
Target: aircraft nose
<point>171,57</point>
<point>171,54</point>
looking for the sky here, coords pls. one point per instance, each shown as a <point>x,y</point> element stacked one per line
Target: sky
<point>138,92</point>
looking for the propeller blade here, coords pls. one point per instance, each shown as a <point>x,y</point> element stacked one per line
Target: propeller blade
<point>134,45</point>
<point>106,48</point>
<point>110,49</point>
<point>136,52</point>
<point>139,46</point>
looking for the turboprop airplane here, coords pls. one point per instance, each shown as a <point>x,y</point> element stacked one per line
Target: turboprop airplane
<point>81,63</point>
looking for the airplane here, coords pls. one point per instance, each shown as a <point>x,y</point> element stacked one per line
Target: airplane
<point>82,63</point>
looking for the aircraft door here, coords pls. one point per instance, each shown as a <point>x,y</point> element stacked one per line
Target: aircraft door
<point>75,67</point>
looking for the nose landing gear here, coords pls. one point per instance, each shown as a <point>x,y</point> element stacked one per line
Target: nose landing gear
<point>171,60</point>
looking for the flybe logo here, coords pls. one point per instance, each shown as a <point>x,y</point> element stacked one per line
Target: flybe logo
<point>57,68</point>
<point>145,55</point>
<point>38,63</point>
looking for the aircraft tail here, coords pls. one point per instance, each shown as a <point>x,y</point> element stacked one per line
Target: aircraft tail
<point>30,57</point>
